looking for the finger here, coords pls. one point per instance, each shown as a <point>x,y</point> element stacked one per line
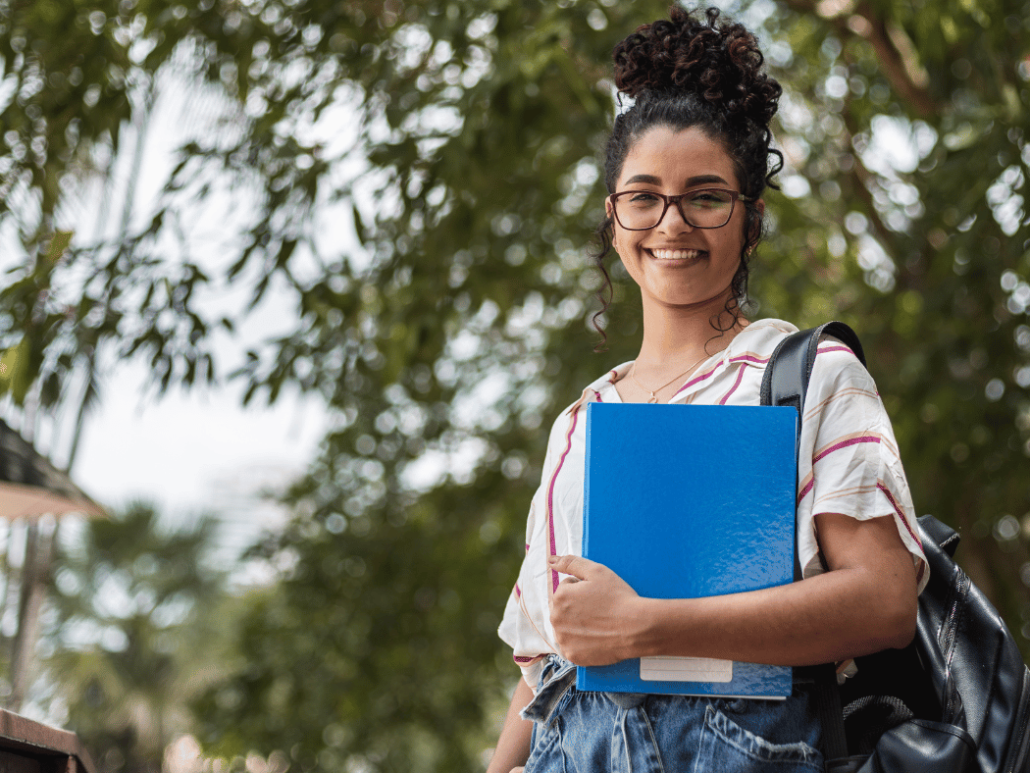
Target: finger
<point>574,566</point>
<point>564,586</point>
<point>559,598</point>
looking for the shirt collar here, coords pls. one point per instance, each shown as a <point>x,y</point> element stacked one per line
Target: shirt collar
<point>753,346</point>
<point>593,390</point>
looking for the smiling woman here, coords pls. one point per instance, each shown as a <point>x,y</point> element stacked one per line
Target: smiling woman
<point>686,168</point>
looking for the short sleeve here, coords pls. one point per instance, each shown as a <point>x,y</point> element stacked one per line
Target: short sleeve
<point>848,461</point>
<point>524,626</point>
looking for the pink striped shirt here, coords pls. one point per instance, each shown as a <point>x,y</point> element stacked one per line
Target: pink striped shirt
<point>848,464</point>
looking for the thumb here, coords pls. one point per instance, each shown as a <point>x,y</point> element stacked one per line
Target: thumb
<point>574,566</point>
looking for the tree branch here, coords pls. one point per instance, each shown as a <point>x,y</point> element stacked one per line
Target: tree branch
<point>899,67</point>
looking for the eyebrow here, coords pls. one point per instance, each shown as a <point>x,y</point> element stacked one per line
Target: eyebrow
<point>650,179</point>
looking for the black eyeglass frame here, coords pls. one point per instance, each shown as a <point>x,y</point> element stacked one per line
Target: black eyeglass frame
<point>670,200</point>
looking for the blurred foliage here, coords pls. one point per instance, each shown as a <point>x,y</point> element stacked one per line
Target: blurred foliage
<point>450,329</point>
<point>131,600</point>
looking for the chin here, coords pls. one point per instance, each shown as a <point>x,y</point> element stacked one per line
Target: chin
<point>716,300</point>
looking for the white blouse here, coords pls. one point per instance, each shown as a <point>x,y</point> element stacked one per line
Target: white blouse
<point>848,463</point>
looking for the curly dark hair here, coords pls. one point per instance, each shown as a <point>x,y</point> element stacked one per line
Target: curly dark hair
<point>695,70</point>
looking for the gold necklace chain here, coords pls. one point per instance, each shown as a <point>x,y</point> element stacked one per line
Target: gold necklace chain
<point>653,398</point>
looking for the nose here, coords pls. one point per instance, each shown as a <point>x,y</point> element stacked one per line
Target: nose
<point>674,219</point>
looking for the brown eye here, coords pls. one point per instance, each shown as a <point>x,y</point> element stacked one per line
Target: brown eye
<point>710,199</point>
<point>643,200</point>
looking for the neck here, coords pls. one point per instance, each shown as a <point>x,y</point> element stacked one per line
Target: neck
<point>677,336</point>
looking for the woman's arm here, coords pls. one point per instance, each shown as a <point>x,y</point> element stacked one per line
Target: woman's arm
<point>513,746</point>
<point>865,603</point>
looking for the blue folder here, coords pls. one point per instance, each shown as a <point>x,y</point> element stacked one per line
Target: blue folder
<point>687,501</point>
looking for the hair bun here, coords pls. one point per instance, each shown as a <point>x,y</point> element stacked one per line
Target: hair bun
<point>718,62</point>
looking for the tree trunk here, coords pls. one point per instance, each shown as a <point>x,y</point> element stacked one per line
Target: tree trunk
<point>35,570</point>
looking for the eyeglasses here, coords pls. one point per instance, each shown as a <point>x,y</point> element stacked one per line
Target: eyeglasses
<point>703,208</point>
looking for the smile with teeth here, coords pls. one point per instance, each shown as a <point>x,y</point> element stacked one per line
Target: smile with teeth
<point>677,254</point>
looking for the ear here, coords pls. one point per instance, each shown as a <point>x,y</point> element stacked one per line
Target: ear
<point>610,214</point>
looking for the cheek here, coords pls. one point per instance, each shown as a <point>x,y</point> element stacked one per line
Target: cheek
<point>623,245</point>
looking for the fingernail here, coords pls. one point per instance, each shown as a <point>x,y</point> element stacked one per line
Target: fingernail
<point>552,559</point>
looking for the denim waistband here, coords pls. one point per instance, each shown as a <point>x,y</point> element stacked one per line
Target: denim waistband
<point>556,680</point>
<point>559,676</point>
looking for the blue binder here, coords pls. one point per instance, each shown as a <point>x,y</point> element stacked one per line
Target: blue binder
<point>686,501</point>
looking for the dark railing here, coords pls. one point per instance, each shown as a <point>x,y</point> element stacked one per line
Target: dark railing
<point>31,747</point>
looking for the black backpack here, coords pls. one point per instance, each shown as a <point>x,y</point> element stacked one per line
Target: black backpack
<point>957,699</point>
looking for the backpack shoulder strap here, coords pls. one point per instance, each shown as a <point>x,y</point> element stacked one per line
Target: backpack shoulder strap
<point>790,367</point>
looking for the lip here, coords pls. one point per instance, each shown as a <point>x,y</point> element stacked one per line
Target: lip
<point>676,254</point>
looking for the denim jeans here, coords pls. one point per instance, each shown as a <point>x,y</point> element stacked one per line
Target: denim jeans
<point>591,732</point>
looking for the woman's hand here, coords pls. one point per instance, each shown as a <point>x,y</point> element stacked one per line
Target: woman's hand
<point>592,612</point>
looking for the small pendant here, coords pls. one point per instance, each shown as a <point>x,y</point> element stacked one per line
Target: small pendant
<point>653,399</point>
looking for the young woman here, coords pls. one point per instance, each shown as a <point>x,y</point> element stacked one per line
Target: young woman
<point>686,167</point>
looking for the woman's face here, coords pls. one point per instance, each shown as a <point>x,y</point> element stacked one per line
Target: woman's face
<point>674,263</point>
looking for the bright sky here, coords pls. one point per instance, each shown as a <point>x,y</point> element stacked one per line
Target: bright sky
<point>186,451</point>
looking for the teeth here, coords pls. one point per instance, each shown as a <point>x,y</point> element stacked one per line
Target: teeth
<point>677,254</point>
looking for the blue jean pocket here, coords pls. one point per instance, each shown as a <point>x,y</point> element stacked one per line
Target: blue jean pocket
<point>726,747</point>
